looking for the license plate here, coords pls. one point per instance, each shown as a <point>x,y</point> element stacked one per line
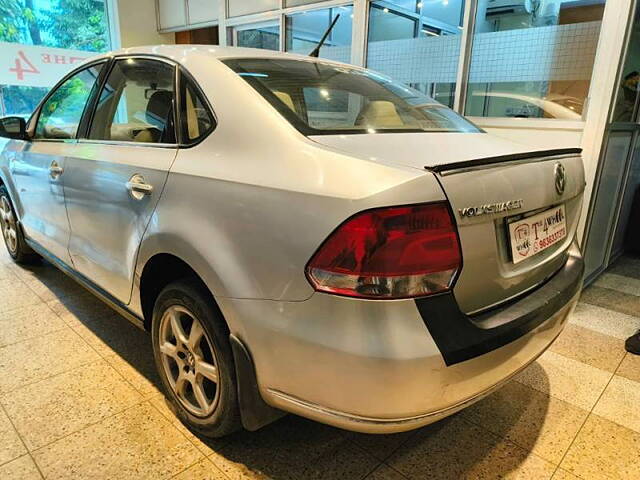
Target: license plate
<point>536,233</point>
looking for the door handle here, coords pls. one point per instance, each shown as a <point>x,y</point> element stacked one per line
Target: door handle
<point>138,188</point>
<point>55,170</point>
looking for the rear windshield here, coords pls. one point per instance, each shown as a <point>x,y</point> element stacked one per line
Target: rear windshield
<point>319,98</point>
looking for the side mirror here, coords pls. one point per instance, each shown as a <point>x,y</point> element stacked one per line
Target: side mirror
<point>13,127</point>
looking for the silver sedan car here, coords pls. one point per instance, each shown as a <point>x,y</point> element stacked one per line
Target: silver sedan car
<point>298,235</point>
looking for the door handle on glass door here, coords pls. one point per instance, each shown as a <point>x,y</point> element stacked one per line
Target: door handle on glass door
<point>55,170</point>
<point>138,188</point>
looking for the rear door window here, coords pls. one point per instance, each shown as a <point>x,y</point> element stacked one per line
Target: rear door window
<point>136,103</point>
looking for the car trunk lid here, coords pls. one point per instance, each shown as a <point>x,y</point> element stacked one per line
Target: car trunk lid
<point>491,194</point>
<point>489,183</point>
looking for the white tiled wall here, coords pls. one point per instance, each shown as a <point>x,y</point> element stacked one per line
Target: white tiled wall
<point>430,60</point>
<point>558,52</point>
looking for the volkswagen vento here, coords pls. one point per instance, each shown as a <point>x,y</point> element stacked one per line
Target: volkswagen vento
<point>297,234</point>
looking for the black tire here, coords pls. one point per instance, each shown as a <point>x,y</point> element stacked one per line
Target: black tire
<point>19,250</point>
<point>191,295</point>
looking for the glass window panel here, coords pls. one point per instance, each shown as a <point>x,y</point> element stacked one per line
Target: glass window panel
<point>264,35</point>
<point>449,12</point>
<point>408,5</point>
<point>630,83</point>
<point>247,7</point>
<point>54,23</point>
<point>390,25</point>
<point>136,103</point>
<point>534,61</point>
<point>304,30</point>
<point>420,49</point>
<point>320,98</point>
<point>61,113</point>
<point>197,121</point>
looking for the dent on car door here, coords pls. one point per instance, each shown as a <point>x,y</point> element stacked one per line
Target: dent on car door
<point>38,169</point>
<point>113,183</point>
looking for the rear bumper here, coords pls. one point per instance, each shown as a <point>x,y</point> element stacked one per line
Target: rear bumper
<point>382,367</point>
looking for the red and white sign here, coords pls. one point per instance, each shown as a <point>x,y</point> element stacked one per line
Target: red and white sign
<point>33,66</point>
<point>534,234</point>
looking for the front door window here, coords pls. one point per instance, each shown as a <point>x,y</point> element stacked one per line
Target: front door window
<point>61,113</point>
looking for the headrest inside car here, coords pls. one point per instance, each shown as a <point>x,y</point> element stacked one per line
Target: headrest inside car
<point>380,113</point>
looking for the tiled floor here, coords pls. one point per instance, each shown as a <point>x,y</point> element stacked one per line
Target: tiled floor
<point>79,399</point>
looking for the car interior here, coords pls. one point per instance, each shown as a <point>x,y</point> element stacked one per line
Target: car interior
<point>136,104</point>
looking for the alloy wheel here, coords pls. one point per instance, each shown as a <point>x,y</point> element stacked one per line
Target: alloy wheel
<point>8,224</point>
<point>189,360</point>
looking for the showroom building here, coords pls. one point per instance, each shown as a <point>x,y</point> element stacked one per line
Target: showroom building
<point>546,73</point>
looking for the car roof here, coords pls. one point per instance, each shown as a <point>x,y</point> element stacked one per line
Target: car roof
<point>181,53</point>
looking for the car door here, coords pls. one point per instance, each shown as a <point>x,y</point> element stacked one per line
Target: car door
<point>38,169</point>
<point>115,178</point>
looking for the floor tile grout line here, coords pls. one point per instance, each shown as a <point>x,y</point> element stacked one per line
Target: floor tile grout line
<point>607,308</point>
<point>385,464</point>
<point>55,330</point>
<point>84,427</point>
<point>21,441</point>
<point>378,462</point>
<point>83,364</point>
<point>9,311</point>
<point>204,457</point>
<point>29,384</point>
<point>626,277</point>
<point>91,424</point>
<point>3,464</point>
<point>527,450</point>
<point>207,457</point>
<point>99,353</point>
<point>395,450</point>
<point>353,444</point>
<point>587,418</point>
<point>369,472</point>
<point>103,357</point>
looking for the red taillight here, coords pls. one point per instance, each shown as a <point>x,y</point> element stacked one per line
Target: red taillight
<point>387,253</point>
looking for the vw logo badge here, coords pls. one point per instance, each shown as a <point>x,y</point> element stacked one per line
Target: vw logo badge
<point>561,178</point>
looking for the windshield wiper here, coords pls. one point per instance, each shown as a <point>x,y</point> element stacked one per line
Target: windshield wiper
<point>316,51</point>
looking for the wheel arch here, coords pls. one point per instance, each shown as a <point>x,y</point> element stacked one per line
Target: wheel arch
<point>7,182</point>
<point>158,271</point>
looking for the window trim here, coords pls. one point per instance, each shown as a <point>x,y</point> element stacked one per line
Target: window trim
<point>112,61</point>
<point>35,116</point>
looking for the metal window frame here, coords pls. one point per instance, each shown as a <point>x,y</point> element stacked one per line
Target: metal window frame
<point>93,106</point>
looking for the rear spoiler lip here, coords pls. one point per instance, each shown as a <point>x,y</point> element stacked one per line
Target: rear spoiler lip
<point>514,157</point>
